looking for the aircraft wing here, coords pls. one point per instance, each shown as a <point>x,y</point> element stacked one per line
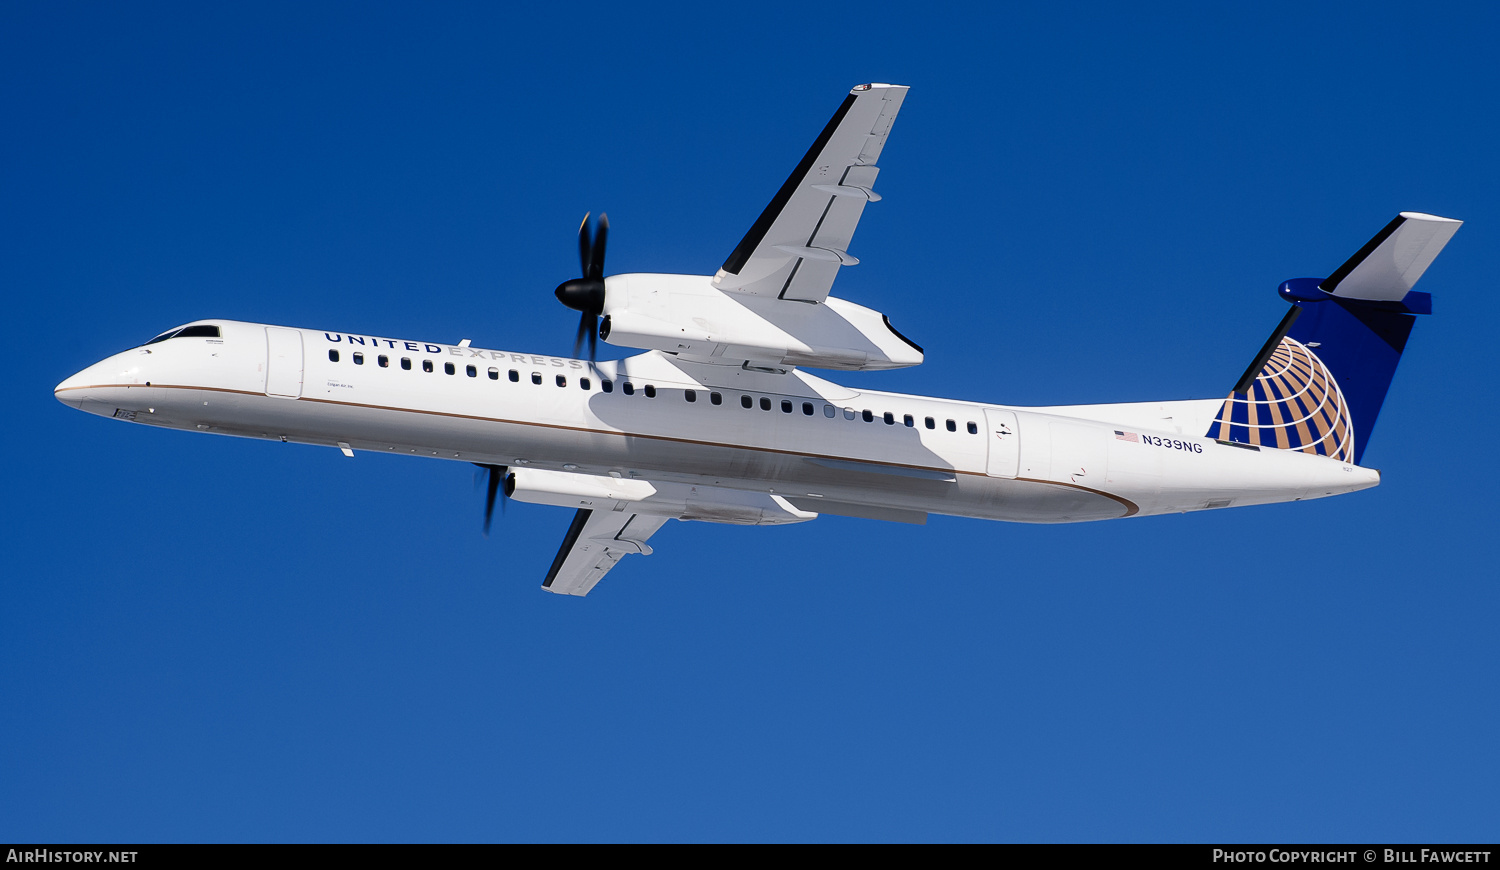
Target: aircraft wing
<point>595,542</point>
<point>797,245</point>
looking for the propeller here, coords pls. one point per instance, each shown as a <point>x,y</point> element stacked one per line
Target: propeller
<point>493,483</point>
<point>586,294</point>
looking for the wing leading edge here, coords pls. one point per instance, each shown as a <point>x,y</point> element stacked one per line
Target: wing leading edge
<point>796,247</point>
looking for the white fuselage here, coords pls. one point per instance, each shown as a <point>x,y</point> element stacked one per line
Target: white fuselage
<point>821,446</point>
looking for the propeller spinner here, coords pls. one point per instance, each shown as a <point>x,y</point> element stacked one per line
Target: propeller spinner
<point>586,294</point>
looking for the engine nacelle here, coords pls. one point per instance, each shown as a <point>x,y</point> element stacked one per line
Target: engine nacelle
<point>709,504</point>
<point>686,315</point>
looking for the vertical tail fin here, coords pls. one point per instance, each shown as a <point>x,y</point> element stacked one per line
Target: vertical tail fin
<point>1319,382</point>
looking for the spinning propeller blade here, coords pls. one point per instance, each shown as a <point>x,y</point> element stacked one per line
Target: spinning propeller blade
<point>586,294</point>
<point>495,477</point>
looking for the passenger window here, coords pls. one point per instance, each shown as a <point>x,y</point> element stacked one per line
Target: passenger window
<point>650,392</point>
<point>515,376</point>
<point>807,409</point>
<point>607,386</point>
<point>471,371</point>
<point>746,402</point>
<point>562,380</point>
<point>536,378</point>
<point>765,403</point>
<point>427,365</point>
<point>829,411</point>
<point>583,383</point>
<point>908,421</point>
<point>690,395</point>
<point>406,363</point>
<point>628,388</point>
<point>868,417</point>
<point>715,399</point>
<point>973,428</point>
<point>952,427</point>
<point>359,358</point>
<point>849,414</point>
<point>494,373</point>
<point>931,423</point>
<point>333,356</point>
<point>786,406</point>
<point>449,369</point>
<point>385,361</point>
<point>890,419</point>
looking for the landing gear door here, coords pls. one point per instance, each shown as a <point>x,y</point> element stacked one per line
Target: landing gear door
<point>1005,443</point>
<point>283,362</point>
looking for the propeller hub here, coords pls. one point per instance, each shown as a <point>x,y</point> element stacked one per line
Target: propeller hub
<point>586,293</point>
<point>582,294</point>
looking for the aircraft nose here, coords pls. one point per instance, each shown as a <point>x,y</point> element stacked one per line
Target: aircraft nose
<point>70,392</point>
<point>87,389</point>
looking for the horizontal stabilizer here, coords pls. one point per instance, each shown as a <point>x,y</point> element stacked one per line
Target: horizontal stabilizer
<point>1390,264</point>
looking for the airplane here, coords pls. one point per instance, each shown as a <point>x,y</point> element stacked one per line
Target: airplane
<point>720,421</point>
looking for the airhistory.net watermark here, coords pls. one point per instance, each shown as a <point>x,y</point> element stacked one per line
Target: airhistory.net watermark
<point>67,856</point>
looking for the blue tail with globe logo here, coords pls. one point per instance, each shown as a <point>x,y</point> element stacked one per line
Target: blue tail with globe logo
<point>1319,382</point>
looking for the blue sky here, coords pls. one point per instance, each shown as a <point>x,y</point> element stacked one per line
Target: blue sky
<point>214,639</point>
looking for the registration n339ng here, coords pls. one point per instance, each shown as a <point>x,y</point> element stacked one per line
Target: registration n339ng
<point>719,419</point>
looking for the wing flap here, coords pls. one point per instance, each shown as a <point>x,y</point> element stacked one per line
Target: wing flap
<point>595,543</point>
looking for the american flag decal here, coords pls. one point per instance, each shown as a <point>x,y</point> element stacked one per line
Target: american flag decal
<point>1127,436</point>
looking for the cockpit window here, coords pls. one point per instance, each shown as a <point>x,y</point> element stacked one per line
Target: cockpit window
<point>202,330</point>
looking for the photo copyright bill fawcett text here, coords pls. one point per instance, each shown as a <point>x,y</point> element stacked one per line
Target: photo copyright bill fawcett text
<point>1351,856</point>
